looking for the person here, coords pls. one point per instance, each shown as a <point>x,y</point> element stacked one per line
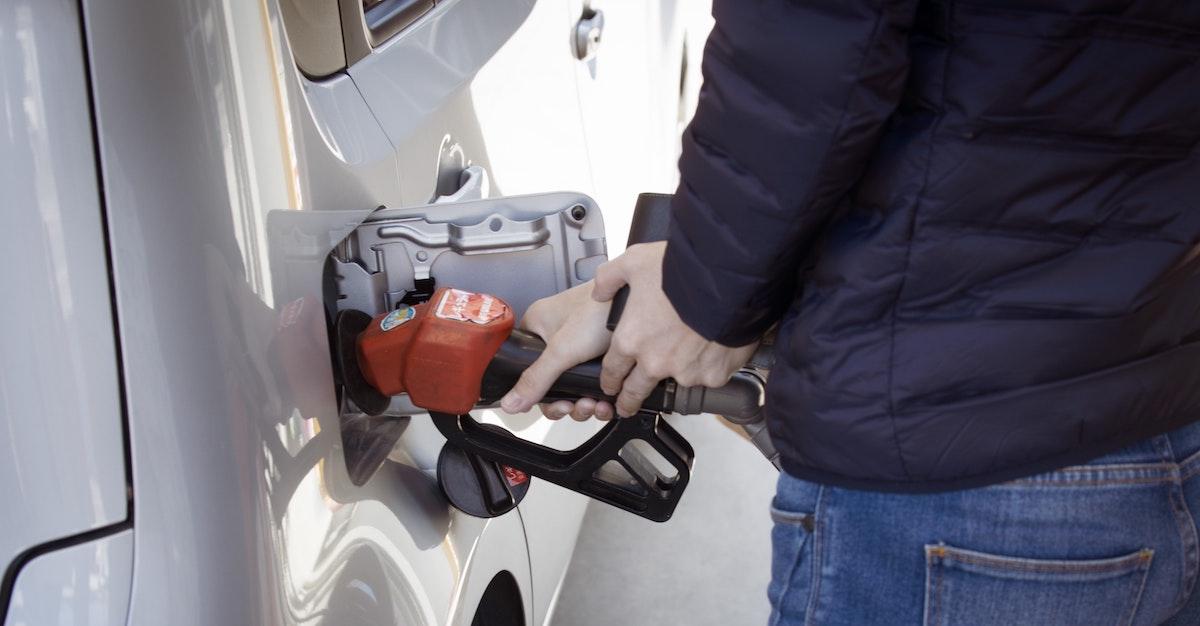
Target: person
<point>976,228</point>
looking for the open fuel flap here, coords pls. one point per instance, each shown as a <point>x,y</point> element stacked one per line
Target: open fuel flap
<point>425,300</point>
<point>518,249</point>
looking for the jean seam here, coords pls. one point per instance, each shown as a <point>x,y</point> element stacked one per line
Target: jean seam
<point>1185,523</point>
<point>1164,470</point>
<point>1189,542</point>
<point>1029,566</point>
<point>937,593</point>
<point>1141,588</point>
<point>1190,466</point>
<point>808,536</point>
<point>1162,445</point>
<point>818,536</point>
<point>933,592</point>
<point>1114,467</point>
<point>787,585</point>
<point>787,517</point>
<point>1149,480</point>
<point>937,556</point>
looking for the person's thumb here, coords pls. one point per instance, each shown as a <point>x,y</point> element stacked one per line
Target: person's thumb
<point>610,277</point>
<point>534,383</point>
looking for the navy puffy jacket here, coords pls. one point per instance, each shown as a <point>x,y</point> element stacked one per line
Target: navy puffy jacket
<point>978,225</point>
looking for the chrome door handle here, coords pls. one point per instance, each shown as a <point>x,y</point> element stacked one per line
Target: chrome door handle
<point>587,34</point>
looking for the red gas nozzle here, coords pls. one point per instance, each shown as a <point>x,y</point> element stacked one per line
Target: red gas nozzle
<point>436,351</point>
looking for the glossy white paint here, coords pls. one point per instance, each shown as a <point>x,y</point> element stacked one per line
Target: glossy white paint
<point>495,79</point>
<point>228,176</point>
<point>62,467</point>
<point>629,95</point>
<point>83,585</point>
<point>244,510</point>
<point>244,513</point>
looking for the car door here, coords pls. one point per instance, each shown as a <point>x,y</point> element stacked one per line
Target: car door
<point>233,160</point>
<point>631,87</point>
<point>492,85</point>
<point>66,548</point>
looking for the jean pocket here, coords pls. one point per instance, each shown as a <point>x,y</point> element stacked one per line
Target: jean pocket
<point>792,538</point>
<point>965,587</point>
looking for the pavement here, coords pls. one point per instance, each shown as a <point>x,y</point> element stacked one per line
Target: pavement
<point>710,564</point>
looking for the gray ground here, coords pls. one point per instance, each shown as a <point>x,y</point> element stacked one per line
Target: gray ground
<point>708,565</point>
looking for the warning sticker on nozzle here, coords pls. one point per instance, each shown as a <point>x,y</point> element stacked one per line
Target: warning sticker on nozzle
<point>514,476</point>
<point>396,318</point>
<point>465,306</point>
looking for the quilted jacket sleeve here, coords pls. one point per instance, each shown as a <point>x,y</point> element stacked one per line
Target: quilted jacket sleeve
<point>794,98</point>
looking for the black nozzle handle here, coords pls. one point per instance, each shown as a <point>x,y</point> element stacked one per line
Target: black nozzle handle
<point>648,489</point>
<point>651,222</point>
<point>522,348</point>
<point>740,398</point>
<point>617,307</point>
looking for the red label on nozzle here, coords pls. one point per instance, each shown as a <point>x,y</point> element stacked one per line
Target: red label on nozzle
<point>465,306</point>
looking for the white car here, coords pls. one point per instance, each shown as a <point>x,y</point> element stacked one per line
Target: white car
<point>180,180</point>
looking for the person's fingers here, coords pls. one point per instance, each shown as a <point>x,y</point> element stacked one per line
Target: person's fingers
<point>534,382</point>
<point>614,368</point>
<point>634,390</point>
<point>557,410</point>
<point>610,277</point>
<point>604,411</point>
<point>584,408</point>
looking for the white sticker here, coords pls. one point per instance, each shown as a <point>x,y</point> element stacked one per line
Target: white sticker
<point>397,317</point>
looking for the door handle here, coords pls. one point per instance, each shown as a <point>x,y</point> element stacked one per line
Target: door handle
<point>587,34</point>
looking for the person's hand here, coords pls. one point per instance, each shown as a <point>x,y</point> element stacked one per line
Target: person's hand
<point>572,324</point>
<point>651,342</point>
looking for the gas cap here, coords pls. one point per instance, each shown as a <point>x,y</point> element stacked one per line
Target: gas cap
<point>477,486</point>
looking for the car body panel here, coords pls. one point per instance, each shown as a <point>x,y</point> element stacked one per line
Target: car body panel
<point>204,132</point>
<point>456,82</point>
<point>85,584</point>
<point>477,245</point>
<point>227,175</point>
<point>628,94</point>
<point>62,470</point>
<point>245,512</point>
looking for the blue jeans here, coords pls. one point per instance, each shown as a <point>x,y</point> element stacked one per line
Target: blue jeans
<point>1111,542</point>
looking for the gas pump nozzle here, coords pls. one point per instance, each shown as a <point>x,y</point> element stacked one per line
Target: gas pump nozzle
<point>640,464</point>
<point>459,351</point>
<point>740,398</point>
<point>651,221</point>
